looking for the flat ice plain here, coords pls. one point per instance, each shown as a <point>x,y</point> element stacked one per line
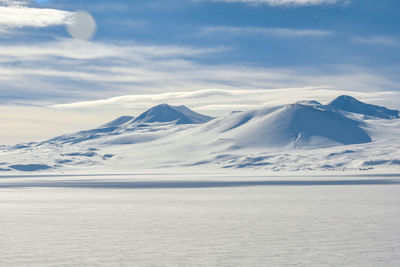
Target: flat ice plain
<point>199,220</point>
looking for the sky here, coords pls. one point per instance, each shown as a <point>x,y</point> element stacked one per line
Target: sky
<point>73,65</point>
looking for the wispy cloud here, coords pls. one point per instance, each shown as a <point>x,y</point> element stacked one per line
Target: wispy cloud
<point>287,2</point>
<point>283,32</point>
<point>217,101</point>
<point>72,70</point>
<point>376,40</point>
<point>85,50</point>
<point>16,14</point>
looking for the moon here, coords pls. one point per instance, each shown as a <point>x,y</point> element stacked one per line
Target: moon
<point>81,25</point>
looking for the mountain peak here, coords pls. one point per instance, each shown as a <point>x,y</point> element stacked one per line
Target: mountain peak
<point>298,125</point>
<point>350,104</point>
<point>163,105</point>
<point>345,99</point>
<point>168,113</point>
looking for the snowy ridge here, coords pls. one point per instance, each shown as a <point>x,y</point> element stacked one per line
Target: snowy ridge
<point>302,136</point>
<point>119,121</point>
<point>297,125</point>
<point>167,113</point>
<point>352,105</point>
<point>156,118</point>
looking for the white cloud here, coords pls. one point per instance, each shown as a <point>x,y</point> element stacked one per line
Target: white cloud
<point>284,32</point>
<point>78,69</point>
<point>16,15</point>
<point>198,98</point>
<point>288,2</point>
<point>72,70</point>
<point>217,101</point>
<point>376,40</point>
<point>85,50</point>
<point>13,2</point>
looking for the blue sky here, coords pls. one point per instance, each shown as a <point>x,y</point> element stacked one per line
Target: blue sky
<point>213,56</point>
<point>356,32</point>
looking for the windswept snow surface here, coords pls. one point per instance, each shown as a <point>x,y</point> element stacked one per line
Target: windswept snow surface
<point>299,137</point>
<point>208,199</point>
<point>213,219</point>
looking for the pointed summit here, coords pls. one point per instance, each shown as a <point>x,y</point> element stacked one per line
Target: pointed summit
<point>167,113</point>
<point>350,104</point>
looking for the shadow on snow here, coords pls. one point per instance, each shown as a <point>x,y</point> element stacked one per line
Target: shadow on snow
<point>106,184</point>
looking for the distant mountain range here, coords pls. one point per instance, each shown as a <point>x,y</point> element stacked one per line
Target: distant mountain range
<point>303,123</point>
<point>177,136</point>
<point>157,116</point>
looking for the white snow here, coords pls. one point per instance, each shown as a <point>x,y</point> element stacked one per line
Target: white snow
<point>199,220</point>
<point>156,192</point>
<point>167,113</point>
<point>350,104</point>
<point>299,137</point>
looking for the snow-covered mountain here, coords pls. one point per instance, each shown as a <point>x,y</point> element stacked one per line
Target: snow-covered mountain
<point>303,124</point>
<point>119,121</point>
<point>352,105</point>
<point>156,118</point>
<point>300,136</point>
<point>167,113</point>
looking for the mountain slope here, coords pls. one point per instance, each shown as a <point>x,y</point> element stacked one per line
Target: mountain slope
<point>167,113</point>
<point>118,122</point>
<point>298,125</point>
<point>156,117</point>
<point>350,104</point>
<point>302,136</point>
